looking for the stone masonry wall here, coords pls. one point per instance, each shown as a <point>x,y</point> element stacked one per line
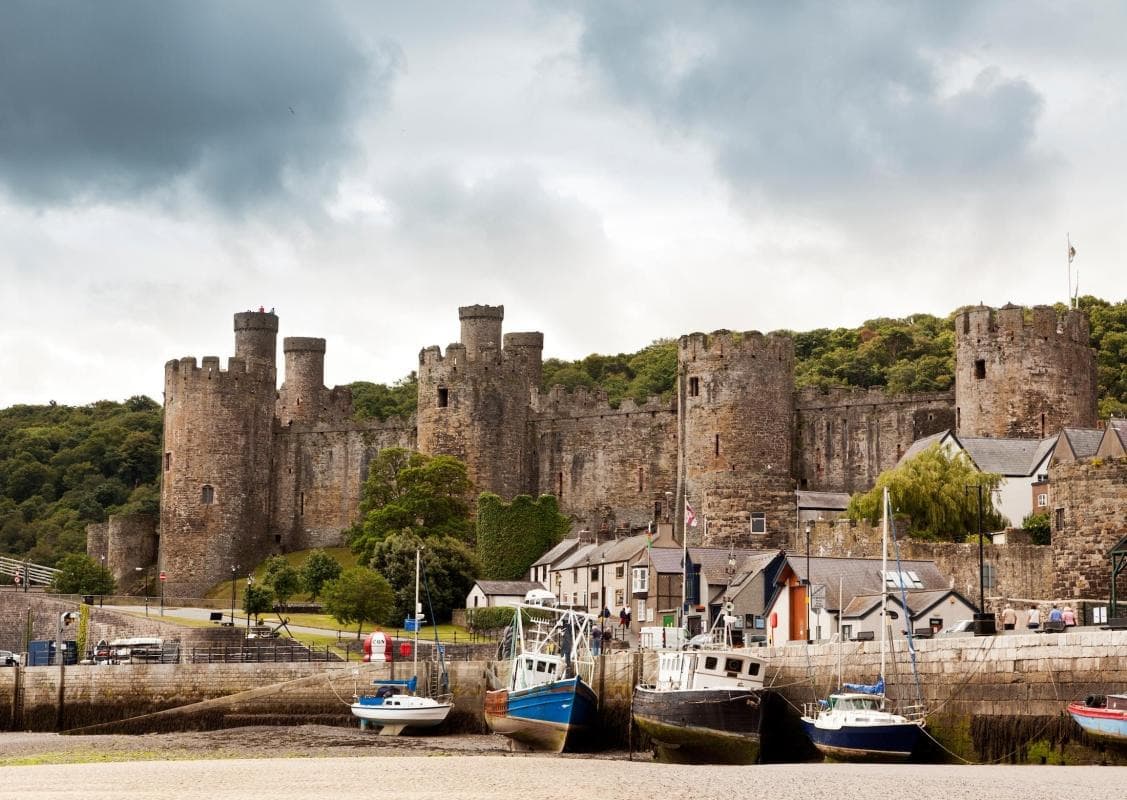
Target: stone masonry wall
<point>846,437</point>
<point>593,457</point>
<point>1090,497</point>
<point>319,471</point>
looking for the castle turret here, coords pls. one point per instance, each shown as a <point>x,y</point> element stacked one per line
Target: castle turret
<point>736,409</point>
<point>301,396</point>
<point>474,400</point>
<point>218,426</point>
<point>1021,373</point>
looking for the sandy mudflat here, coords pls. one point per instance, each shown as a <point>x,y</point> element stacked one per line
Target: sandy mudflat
<point>534,777</point>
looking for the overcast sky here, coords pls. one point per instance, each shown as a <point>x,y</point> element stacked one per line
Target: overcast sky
<point>611,172</point>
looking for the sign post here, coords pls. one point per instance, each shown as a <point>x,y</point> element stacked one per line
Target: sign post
<point>163,578</point>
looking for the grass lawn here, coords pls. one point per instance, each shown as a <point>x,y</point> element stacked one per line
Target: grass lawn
<point>222,591</point>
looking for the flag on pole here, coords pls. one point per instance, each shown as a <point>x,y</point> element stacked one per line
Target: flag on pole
<point>690,516</point>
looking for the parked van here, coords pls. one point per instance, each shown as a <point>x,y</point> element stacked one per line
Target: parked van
<point>377,647</point>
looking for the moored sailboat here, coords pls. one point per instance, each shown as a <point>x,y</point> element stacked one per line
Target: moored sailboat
<point>856,723</point>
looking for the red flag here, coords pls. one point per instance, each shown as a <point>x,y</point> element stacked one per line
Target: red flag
<point>690,516</point>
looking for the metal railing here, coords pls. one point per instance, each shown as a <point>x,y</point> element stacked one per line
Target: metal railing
<point>282,651</point>
<point>25,569</point>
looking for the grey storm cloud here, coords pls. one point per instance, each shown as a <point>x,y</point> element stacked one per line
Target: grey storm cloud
<point>798,98</point>
<point>239,101</point>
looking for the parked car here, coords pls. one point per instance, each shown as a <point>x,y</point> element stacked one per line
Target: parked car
<point>8,659</point>
<point>962,626</point>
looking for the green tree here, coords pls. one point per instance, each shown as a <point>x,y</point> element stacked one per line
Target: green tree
<point>284,581</point>
<point>81,574</point>
<point>407,491</point>
<point>380,401</point>
<point>449,569</point>
<point>318,568</point>
<point>359,595</point>
<point>931,490</point>
<point>258,600</point>
<point>1039,527</point>
<point>511,536</point>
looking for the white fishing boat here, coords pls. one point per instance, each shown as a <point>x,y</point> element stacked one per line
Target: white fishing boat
<point>856,723</point>
<point>395,705</point>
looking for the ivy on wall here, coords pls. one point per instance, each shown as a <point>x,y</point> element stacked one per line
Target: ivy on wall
<point>511,536</point>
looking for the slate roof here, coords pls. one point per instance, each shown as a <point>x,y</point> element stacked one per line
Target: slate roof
<point>860,576</point>
<point>823,501</point>
<point>1083,441</point>
<point>919,601</point>
<point>559,551</point>
<point>517,588</point>
<point>1012,457</point>
<point>920,445</point>
<point>612,551</point>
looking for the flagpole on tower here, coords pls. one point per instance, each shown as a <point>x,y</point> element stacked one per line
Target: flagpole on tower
<point>1072,294</point>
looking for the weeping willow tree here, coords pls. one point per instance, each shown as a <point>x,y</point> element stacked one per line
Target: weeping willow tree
<point>936,491</point>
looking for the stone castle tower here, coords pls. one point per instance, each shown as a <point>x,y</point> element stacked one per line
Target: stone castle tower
<point>474,400</point>
<point>735,398</point>
<point>218,438</point>
<point>1023,374</point>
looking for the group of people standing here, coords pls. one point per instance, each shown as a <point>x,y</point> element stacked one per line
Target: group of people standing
<point>1067,617</point>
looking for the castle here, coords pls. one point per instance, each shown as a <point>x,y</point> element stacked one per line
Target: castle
<point>250,469</point>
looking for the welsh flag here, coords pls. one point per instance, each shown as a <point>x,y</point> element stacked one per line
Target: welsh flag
<point>690,516</point>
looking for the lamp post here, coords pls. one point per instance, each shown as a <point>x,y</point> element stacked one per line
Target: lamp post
<point>144,588</point>
<point>809,632</point>
<point>983,623</point>
<point>250,583</point>
<point>234,569</point>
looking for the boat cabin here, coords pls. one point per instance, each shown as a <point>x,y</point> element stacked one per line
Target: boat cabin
<point>855,702</point>
<point>534,669</point>
<point>703,669</point>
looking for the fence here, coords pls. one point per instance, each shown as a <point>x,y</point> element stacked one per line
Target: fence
<point>274,652</point>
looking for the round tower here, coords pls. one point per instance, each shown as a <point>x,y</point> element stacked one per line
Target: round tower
<point>735,412</point>
<point>1023,373</point>
<point>474,401</point>
<point>256,337</point>
<point>481,328</point>
<point>218,436</point>
<point>300,395</point>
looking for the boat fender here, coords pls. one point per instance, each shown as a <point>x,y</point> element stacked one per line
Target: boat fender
<point>1095,701</point>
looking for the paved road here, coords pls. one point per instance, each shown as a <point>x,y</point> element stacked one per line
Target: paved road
<point>547,778</point>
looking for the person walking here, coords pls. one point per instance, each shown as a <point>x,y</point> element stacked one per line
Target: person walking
<point>1034,621</point>
<point>1009,618</point>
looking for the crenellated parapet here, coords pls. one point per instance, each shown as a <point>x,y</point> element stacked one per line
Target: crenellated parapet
<point>844,397</point>
<point>584,402</point>
<point>1023,372</point>
<point>723,344</point>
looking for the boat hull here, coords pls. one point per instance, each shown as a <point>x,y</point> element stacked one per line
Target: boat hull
<point>702,726</point>
<point>420,715</point>
<point>552,717</point>
<point>881,742</point>
<point>1106,723</point>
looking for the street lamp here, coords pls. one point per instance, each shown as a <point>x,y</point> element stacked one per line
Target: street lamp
<point>983,622</point>
<point>234,569</point>
<point>250,583</point>
<point>809,633</point>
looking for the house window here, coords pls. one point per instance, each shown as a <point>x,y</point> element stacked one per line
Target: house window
<point>1042,500</point>
<point>640,611</point>
<point>620,571</point>
<point>594,573</point>
<point>980,369</point>
<point>640,579</point>
<point>574,575</point>
<point>207,494</point>
<point>475,599</point>
<point>443,397</point>
<point>618,598</point>
<point>846,631</point>
<point>758,522</point>
<point>694,387</point>
<point>1058,522</point>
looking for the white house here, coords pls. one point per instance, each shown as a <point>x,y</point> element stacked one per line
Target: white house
<point>491,594</point>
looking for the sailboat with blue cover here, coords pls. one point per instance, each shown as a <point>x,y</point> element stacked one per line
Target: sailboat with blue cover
<point>857,723</point>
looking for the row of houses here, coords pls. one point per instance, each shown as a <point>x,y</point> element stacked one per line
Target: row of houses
<point>775,596</point>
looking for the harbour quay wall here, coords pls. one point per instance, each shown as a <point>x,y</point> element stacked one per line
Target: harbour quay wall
<point>987,698</point>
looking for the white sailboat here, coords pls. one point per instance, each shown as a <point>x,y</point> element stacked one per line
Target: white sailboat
<point>395,705</point>
<point>856,723</point>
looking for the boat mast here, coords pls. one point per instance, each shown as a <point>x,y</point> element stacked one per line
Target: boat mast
<point>415,650</point>
<point>883,576</point>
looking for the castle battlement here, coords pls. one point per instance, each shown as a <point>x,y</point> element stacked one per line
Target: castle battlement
<point>584,402</point>
<point>1041,321</point>
<point>724,343</point>
<point>209,374</point>
<point>814,397</point>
